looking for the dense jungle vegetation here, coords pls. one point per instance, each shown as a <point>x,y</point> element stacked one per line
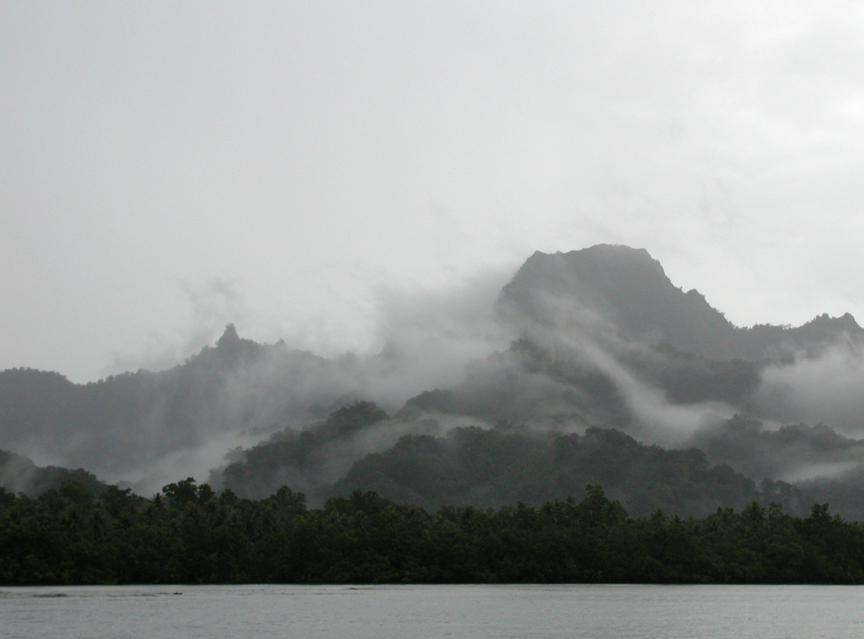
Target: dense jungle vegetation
<point>189,534</point>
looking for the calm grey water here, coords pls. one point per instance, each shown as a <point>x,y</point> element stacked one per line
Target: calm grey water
<point>417,612</point>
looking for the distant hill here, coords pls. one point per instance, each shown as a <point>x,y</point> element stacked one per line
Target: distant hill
<point>481,466</point>
<point>304,460</point>
<point>506,464</point>
<point>18,474</point>
<point>125,425</point>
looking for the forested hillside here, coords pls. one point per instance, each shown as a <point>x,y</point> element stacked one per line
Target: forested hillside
<point>597,370</point>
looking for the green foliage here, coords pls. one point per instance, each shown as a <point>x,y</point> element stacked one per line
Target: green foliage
<point>189,534</point>
<point>507,464</point>
<point>298,458</point>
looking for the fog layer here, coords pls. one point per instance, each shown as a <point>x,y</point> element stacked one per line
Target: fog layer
<point>593,338</point>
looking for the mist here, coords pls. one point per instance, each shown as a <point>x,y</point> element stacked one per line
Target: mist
<point>556,350</point>
<point>825,389</point>
<point>233,393</point>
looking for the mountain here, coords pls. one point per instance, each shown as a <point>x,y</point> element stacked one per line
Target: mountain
<point>613,375</point>
<point>603,339</point>
<point>626,291</point>
<point>141,424</point>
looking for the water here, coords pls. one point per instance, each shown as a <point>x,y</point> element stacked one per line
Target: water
<point>418,612</point>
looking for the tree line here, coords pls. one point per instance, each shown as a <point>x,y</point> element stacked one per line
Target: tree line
<point>190,534</point>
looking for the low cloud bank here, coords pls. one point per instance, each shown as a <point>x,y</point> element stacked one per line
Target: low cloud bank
<point>825,389</point>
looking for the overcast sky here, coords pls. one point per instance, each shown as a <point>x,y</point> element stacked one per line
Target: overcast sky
<point>167,167</point>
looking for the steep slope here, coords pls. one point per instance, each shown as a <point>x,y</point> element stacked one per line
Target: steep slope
<point>627,292</point>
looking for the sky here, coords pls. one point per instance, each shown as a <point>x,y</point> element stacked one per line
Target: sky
<point>168,167</point>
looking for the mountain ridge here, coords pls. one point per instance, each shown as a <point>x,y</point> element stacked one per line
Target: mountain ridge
<point>601,339</point>
<point>627,288</point>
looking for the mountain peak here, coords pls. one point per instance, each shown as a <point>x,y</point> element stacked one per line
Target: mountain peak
<point>229,338</point>
<point>626,289</point>
<point>233,348</point>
